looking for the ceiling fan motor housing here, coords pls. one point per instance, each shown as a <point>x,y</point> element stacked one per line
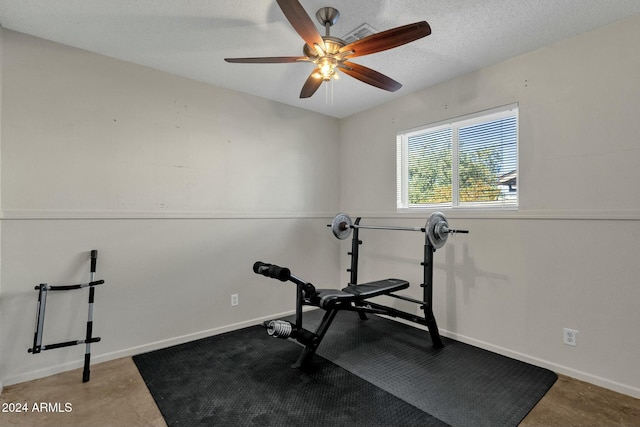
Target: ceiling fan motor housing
<point>332,45</point>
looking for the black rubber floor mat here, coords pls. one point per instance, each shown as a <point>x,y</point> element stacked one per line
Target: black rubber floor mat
<point>244,378</point>
<point>459,384</point>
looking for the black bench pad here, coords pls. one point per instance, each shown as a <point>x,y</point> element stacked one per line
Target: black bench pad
<point>327,298</point>
<point>373,289</point>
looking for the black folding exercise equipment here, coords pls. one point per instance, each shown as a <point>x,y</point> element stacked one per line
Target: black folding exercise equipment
<point>43,289</point>
<point>355,297</point>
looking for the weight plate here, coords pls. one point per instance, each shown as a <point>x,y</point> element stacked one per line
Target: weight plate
<point>435,224</point>
<point>341,226</point>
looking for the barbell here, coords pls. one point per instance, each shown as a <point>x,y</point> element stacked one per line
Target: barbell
<point>437,228</point>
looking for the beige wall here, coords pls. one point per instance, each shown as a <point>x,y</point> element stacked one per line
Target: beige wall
<point>569,256</point>
<point>179,185</point>
<point>1,328</point>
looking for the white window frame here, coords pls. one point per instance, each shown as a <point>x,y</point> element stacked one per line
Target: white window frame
<point>402,161</point>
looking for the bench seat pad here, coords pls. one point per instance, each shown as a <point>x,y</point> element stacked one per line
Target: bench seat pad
<point>373,289</point>
<point>327,298</point>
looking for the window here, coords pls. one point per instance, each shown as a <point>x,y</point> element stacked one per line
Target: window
<point>470,162</point>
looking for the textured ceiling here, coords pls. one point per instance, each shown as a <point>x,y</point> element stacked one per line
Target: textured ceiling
<point>190,38</point>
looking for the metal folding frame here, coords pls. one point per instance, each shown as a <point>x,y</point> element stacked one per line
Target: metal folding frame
<point>43,289</point>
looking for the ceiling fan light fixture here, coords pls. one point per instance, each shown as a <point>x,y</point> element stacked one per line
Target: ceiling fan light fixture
<point>329,53</point>
<point>327,67</point>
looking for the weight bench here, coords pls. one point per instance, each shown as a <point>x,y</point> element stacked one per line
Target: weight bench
<point>351,298</point>
<point>356,297</point>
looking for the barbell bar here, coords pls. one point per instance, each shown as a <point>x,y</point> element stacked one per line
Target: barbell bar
<point>437,228</point>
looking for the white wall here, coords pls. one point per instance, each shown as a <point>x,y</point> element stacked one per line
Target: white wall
<point>179,185</point>
<point>1,38</point>
<point>148,169</point>
<point>569,256</point>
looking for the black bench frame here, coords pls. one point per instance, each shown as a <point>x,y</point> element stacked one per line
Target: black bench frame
<point>355,297</point>
<point>426,304</point>
<point>351,298</point>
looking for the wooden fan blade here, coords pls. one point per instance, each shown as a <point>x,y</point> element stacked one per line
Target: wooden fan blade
<point>388,39</point>
<point>268,59</point>
<point>301,22</point>
<point>369,76</point>
<point>311,85</point>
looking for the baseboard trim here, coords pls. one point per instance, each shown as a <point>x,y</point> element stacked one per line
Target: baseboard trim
<point>557,368</point>
<point>132,351</point>
<point>100,358</point>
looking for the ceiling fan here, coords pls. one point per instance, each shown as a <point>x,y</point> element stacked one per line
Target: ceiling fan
<point>331,53</point>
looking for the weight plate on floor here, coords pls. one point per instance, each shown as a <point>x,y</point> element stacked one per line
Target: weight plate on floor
<point>341,226</point>
<point>435,224</point>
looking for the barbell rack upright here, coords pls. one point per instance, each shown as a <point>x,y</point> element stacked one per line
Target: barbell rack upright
<point>355,250</point>
<point>429,319</point>
<point>427,293</point>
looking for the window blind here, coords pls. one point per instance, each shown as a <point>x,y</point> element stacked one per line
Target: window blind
<point>468,162</point>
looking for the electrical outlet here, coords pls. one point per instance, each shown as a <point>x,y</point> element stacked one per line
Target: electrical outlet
<point>570,337</point>
<point>234,300</point>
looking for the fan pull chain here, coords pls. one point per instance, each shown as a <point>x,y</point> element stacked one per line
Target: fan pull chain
<point>328,92</point>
